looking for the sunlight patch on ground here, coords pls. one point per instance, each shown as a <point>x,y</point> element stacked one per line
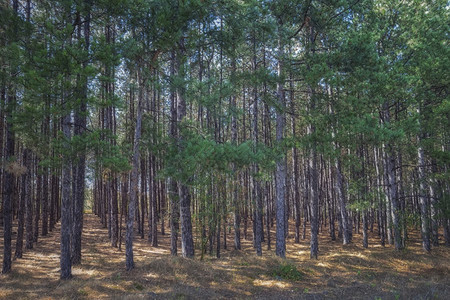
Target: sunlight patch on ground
<point>272,283</point>
<point>344,254</point>
<point>4,293</point>
<point>154,251</point>
<point>152,275</point>
<point>81,271</point>
<point>322,264</point>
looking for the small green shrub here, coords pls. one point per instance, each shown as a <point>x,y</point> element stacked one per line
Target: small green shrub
<point>180,296</point>
<point>138,286</point>
<point>83,293</point>
<point>287,271</point>
<point>116,276</point>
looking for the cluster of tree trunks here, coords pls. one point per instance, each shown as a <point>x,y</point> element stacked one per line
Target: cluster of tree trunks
<point>228,87</point>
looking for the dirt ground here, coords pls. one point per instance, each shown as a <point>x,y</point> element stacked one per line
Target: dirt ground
<point>345,272</point>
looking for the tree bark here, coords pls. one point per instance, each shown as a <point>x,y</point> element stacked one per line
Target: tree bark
<point>313,184</point>
<point>237,215</point>
<point>187,242</point>
<point>21,210</point>
<point>38,197</point>
<point>114,211</point>
<point>134,184</point>
<point>257,197</point>
<point>280,177</point>
<point>28,200</point>
<point>423,200</point>
<point>392,184</point>
<point>66,200</point>
<point>173,186</point>
<point>8,186</point>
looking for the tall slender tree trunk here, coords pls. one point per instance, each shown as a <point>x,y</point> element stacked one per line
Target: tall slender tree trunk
<point>66,187</point>
<point>153,201</point>
<point>2,147</point>
<point>267,198</point>
<point>66,200</point>
<point>38,197</point>
<point>134,183</point>
<point>8,186</point>
<point>114,211</point>
<point>257,197</point>
<point>280,177</point>
<point>392,184</point>
<point>21,210</point>
<point>187,242</point>
<point>313,185</point>
<point>237,215</point>
<point>423,200</point>
<point>433,213</point>
<point>306,198</point>
<point>296,174</point>
<point>123,210</point>
<point>8,181</point>
<point>173,186</point>
<point>45,177</point>
<point>314,177</point>
<point>218,218</point>
<point>143,197</point>
<point>28,200</point>
<point>381,226</point>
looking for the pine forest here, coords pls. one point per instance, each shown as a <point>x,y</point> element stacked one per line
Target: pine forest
<point>225,149</point>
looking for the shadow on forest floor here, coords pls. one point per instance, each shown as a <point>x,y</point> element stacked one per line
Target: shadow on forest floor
<point>347,272</point>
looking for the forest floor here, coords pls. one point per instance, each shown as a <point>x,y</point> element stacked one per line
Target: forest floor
<point>346,272</point>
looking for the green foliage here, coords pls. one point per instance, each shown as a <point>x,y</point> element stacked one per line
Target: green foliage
<point>443,206</point>
<point>201,155</point>
<point>138,286</point>
<point>287,271</point>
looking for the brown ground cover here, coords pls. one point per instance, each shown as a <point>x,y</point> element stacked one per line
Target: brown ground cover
<point>345,272</point>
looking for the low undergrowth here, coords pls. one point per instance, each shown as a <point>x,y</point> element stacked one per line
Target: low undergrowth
<point>287,271</point>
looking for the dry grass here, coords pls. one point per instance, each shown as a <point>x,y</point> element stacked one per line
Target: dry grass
<point>347,272</point>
